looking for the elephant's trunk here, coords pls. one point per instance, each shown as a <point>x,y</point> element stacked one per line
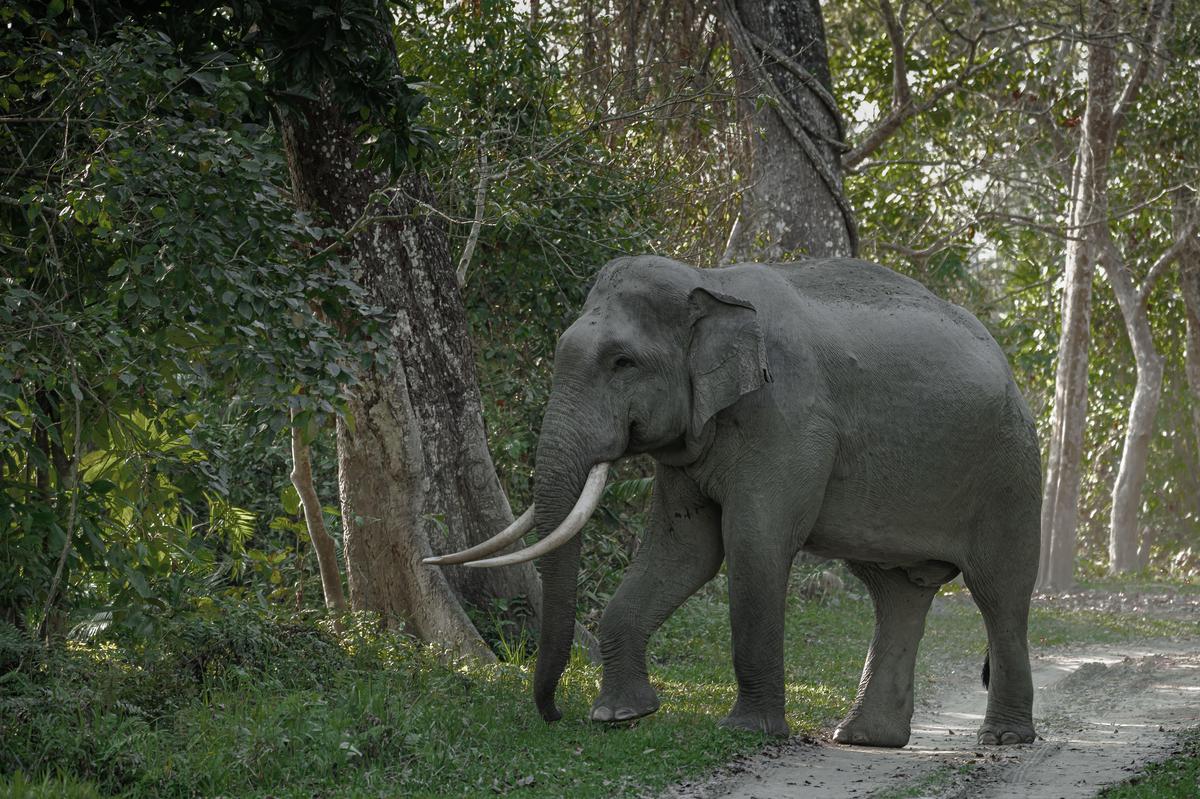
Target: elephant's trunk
<point>563,463</point>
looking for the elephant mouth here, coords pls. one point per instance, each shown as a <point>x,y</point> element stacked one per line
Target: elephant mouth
<point>634,438</point>
<point>585,506</point>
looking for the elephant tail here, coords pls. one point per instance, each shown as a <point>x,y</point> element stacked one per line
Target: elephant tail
<point>986,674</point>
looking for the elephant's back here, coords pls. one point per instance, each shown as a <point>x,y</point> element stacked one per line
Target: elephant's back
<point>927,418</point>
<point>883,340</point>
<point>877,315</point>
<point>850,284</point>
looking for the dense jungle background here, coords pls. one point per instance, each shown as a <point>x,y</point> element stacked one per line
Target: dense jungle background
<point>227,229</point>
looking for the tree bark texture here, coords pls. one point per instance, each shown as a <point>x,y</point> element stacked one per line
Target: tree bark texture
<point>414,469</point>
<point>1131,476</point>
<point>314,519</point>
<point>794,205</point>
<point>1087,213</point>
<point>1189,287</point>
<point>381,479</point>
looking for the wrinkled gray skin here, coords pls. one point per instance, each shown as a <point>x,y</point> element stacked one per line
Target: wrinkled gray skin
<point>828,405</point>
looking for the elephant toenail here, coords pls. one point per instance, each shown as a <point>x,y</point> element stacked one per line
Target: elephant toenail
<point>1010,738</point>
<point>987,739</point>
<point>601,714</point>
<point>624,714</point>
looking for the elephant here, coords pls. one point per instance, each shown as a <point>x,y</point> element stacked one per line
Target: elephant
<point>828,405</point>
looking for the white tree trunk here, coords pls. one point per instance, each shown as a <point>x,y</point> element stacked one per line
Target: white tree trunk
<point>314,519</point>
<point>1189,287</point>
<point>1060,500</point>
<point>1088,214</point>
<point>381,479</point>
<point>415,456</point>
<point>1134,303</point>
<point>1123,537</point>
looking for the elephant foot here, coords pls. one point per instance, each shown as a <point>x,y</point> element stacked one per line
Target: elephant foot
<point>1005,733</point>
<point>866,731</point>
<point>771,723</point>
<point>625,703</point>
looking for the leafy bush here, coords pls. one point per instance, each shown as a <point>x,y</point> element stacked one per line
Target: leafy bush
<point>159,286</point>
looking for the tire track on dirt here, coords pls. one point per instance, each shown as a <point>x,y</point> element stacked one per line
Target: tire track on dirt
<point>1102,713</point>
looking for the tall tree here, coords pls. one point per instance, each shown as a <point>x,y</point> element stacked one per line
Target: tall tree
<point>1087,212</point>
<point>412,457</point>
<point>1189,288</point>
<point>1109,102</point>
<point>1133,298</point>
<point>794,204</point>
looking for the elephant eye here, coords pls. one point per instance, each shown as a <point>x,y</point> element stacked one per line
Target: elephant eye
<point>623,362</point>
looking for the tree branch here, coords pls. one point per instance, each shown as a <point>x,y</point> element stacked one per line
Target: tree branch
<point>901,94</point>
<point>808,79</point>
<point>903,111</point>
<point>731,244</point>
<point>907,110</point>
<point>1166,259</point>
<point>70,531</point>
<point>464,260</point>
<point>1151,41</point>
<point>323,546</point>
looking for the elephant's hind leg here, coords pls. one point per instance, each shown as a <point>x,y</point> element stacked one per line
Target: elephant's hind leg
<point>1004,602</point>
<point>882,711</point>
<point>681,552</point>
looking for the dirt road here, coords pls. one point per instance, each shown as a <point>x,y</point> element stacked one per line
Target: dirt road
<point>1102,713</point>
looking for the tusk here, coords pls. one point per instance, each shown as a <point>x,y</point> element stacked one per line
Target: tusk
<point>520,526</point>
<point>585,506</point>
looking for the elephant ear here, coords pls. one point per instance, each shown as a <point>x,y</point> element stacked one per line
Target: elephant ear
<point>727,356</point>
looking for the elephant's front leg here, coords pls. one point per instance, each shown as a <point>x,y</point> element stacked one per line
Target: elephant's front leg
<point>758,566</point>
<point>766,517</point>
<point>681,552</point>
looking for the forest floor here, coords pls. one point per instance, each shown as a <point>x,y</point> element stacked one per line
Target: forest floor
<point>1102,711</point>
<point>239,703</point>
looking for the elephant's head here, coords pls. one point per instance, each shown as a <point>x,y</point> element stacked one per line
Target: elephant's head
<point>654,356</point>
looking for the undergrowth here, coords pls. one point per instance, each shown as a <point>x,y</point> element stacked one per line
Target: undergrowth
<point>238,705</point>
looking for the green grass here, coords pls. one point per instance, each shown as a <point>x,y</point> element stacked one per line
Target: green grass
<point>1140,582</point>
<point>957,622</point>
<point>1175,778</point>
<point>241,707</point>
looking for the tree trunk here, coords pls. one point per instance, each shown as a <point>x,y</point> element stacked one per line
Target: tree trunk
<point>381,473</point>
<point>464,499</point>
<point>1189,287</point>
<point>314,520</point>
<point>1088,214</point>
<point>794,205</point>
<point>1060,500</point>
<point>414,468</point>
<point>1131,476</point>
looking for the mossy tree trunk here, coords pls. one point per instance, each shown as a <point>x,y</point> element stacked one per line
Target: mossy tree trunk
<point>414,468</point>
<point>794,205</point>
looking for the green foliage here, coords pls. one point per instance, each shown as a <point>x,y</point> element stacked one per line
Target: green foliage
<point>156,278</point>
<point>301,49</point>
<point>19,787</point>
<point>1175,778</point>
